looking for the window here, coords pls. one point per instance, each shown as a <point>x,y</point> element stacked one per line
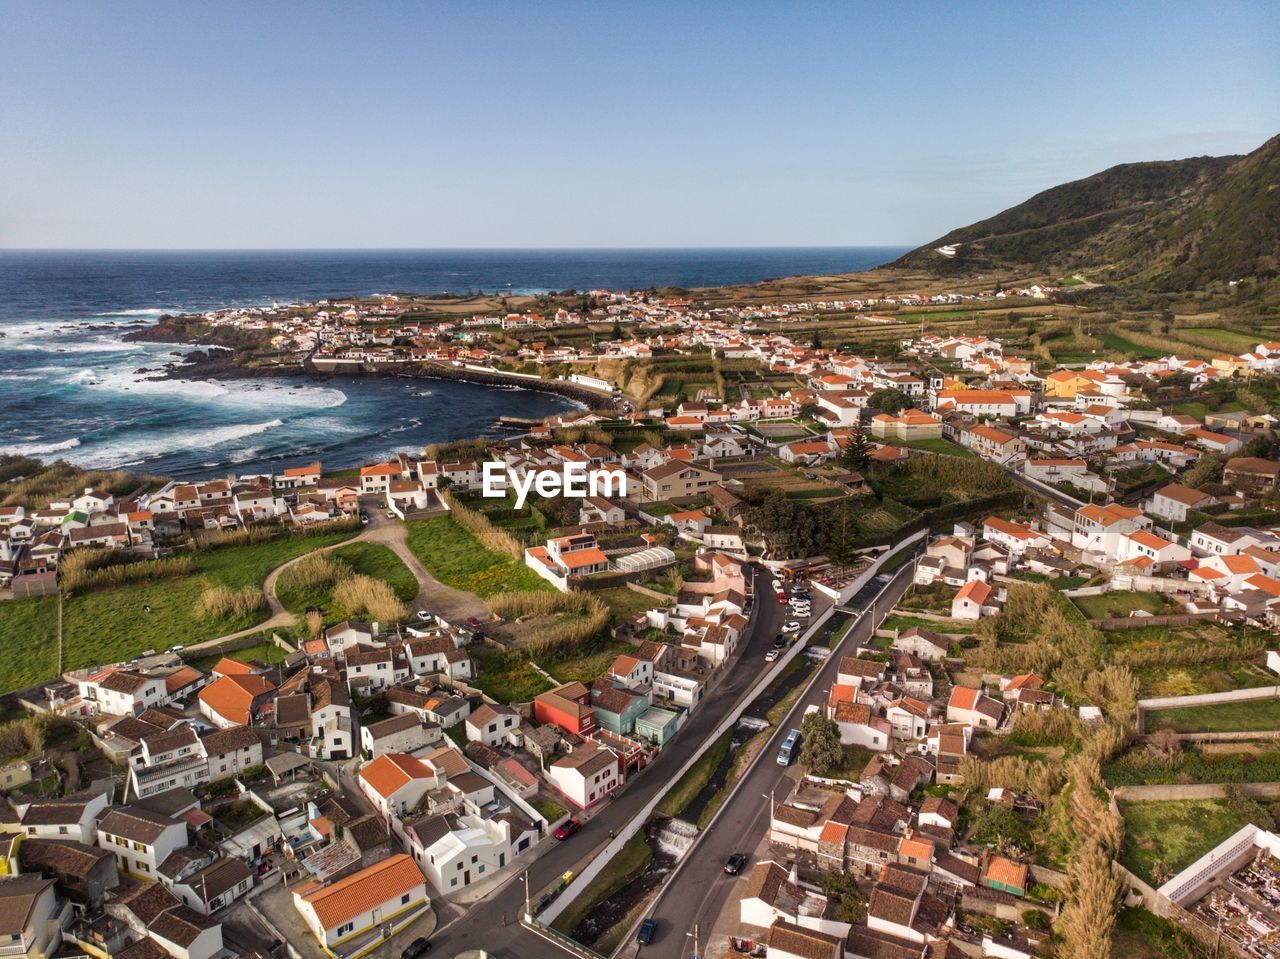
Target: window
<point>345,928</point>
<point>473,860</point>
<point>453,882</point>
<point>62,830</point>
<point>404,899</point>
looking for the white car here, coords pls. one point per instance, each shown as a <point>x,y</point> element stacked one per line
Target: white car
<point>423,615</point>
<point>771,656</point>
<point>800,610</point>
<point>792,627</point>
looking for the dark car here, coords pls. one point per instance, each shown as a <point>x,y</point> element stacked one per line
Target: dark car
<point>779,641</point>
<point>735,863</point>
<point>473,622</point>
<point>644,935</point>
<point>568,828</point>
<point>416,948</point>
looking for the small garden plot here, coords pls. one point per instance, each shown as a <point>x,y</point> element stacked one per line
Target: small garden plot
<point>1115,605</point>
<point>1196,679</point>
<point>1251,715</point>
<point>1195,643</point>
<point>1163,838</point>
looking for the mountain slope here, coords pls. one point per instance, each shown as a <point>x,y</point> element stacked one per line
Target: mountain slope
<point>1171,224</point>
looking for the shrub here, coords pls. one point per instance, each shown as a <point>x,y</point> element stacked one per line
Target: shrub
<point>364,595</point>
<point>85,570</point>
<point>488,535</point>
<point>221,602</point>
<point>317,571</point>
<point>528,603</point>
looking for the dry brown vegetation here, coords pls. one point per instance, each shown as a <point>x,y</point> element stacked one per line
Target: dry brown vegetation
<point>365,596</point>
<point>220,602</point>
<point>478,525</point>
<point>86,569</point>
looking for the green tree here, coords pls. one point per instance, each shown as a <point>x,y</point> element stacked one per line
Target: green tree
<point>817,339</point>
<point>841,887</point>
<point>888,400</point>
<point>617,330</point>
<point>821,751</point>
<point>857,455</point>
<point>997,825</point>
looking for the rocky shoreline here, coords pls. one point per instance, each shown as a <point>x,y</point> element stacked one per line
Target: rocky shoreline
<point>221,361</point>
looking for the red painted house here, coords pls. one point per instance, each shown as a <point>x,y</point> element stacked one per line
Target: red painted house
<point>567,706</point>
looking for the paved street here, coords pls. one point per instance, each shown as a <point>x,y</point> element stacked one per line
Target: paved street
<point>480,925</point>
<point>700,887</point>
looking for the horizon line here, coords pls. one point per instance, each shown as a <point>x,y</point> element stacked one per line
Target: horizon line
<point>441,249</point>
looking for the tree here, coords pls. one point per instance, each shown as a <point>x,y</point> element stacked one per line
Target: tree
<point>617,330</point>
<point>1034,919</point>
<point>1208,469</point>
<point>842,888</point>
<point>817,339</point>
<point>887,400</point>
<point>821,751</point>
<point>997,825</point>
<point>808,411</point>
<point>857,455</point>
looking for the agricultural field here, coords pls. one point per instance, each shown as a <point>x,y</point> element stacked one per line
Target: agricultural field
<point>1219,338</point>
<point>941,446</point>
<point>1198,678</point>
<point>453,556</point>
<point>1163,838</point>
<point>1248,716</point>
<point>113,624</point>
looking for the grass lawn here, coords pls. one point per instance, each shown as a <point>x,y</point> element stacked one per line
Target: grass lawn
<point>585,667</point>
<point>453,556</point>
<point>506,678</point>
<point>899,621</point>
<point>268,653</point>
<point>625,603</point>
<point>1248,716</point>
<point>1176,833</point>
<point>113,624</point>
<point>369,559</point>
<point>1140,934</point>
<point>945,447</point>
<point>693,781</point>
<point>1117,604</point>
<point>551,811</point>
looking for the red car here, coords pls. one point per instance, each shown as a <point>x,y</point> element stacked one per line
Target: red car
<point>568,828</point>
<point>782,597</point>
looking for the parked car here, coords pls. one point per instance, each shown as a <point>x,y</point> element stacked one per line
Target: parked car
<point>364,519</point>
<point>772,656</point>
<point>792,627</point>
<point>644,935</point>
<point>568,828</point>
<point>424,615</point>
<point>416,948</point>
<point>391,514</point>
<point>735,863</point>
<point>473,622</point>
<point>782,597</point>
<point>779,641</point>
<point>790,747</point>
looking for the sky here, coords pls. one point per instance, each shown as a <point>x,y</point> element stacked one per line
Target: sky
<point>597,124</point>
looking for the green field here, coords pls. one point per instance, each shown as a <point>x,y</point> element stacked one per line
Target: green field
<point>945,447</point>
<point>1174,833</point>
<point>1248,716</point>
<point>368,559</point>
<point>1117,604</point>
<point>453,556</point>
<point>1229,341</point>
<point>1119,344</point>
<point>114,624</point>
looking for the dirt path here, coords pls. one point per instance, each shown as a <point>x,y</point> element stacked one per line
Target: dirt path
<point>453,604</point>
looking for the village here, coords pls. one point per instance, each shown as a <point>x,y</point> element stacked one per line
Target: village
<point>962,581</point>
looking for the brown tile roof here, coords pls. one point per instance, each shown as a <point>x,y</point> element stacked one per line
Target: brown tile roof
<point>135,823</point>
<point>18,895</point>
<point>807,943</point>
<point>66,857</point>
<point>223,741</point>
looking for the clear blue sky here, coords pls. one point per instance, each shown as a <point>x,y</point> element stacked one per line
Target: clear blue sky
<point>548,124</point>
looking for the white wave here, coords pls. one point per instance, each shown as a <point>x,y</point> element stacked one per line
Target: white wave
<point>99,344</point>
<point>234,393</point>
<point>39,449</point>
<point>153,311</point>
<point>18,377</point>
<point>136,449</point>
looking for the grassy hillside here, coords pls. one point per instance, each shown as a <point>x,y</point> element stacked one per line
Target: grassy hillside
<point>1171,225</point>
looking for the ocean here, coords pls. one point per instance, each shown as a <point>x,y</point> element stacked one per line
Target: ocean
<point>71,387</point>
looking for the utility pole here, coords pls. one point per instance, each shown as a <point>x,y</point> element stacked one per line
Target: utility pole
<point>528,909</point>
<point>694,934</point>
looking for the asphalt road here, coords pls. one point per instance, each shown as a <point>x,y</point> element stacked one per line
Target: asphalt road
<point>700,887</point>
<point>480,926</point>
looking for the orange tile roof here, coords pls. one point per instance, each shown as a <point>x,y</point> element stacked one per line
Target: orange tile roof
<point>1007,872</point>
<point>232,667</point>
<point>180,678</point>
<point>975,590</point>
<point>364,891</point>
<point>231,697</point>
<point>391,771</point>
